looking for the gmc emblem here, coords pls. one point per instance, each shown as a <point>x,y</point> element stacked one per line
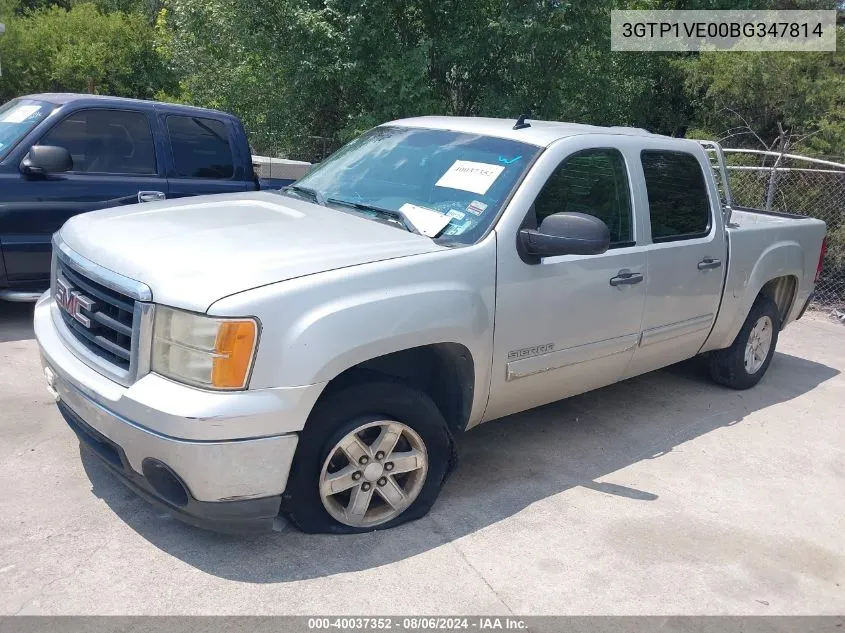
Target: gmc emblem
<point>73,302</point>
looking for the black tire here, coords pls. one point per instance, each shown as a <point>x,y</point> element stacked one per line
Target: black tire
<point>336,416</point>
<point>727,366</point>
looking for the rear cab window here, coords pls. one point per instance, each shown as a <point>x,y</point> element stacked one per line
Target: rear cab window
<point>201,147</point>
<point>678,202</point>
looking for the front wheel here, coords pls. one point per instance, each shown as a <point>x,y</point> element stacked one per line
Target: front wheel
<point>371,456</point>
<point>744,363</point>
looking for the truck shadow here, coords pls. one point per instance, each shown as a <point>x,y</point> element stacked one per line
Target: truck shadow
<point>505,466</point>
<point>15,321</point>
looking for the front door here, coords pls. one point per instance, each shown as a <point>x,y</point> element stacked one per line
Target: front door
<point>570,323</point>
<point>113,161</point>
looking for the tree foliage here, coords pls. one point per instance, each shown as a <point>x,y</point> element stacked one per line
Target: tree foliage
<point>332,68</point>
<point>771,100</point>
<point>306,75</point>
<point>80,49</point>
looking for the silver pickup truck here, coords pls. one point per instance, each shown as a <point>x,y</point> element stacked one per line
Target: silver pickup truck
<point>316,352</point>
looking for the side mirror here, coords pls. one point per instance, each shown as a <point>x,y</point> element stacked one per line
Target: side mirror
<point>46,159</point>
<point>566,234</point>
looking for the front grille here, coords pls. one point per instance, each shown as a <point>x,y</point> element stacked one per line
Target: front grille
<point>108,331</point>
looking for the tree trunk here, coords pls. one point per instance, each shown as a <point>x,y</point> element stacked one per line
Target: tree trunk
<point>783,146</point>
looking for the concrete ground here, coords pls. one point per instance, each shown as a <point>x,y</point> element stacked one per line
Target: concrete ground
<point>662,495</point>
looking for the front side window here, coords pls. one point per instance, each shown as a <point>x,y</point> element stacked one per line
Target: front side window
<point>200,148</point>
<point>594,182</point>
<point>106,142</point>
<point>18,118</point>
<point>678,204</point>
<point>466,177</point>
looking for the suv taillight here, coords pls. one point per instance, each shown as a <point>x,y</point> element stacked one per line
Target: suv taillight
<point>821,259</point>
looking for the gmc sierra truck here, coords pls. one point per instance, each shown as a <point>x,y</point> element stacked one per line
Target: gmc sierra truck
<point>64,154</point>
<point>316,352</point>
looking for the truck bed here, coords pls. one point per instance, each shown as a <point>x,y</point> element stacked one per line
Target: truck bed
<point>764,245</point>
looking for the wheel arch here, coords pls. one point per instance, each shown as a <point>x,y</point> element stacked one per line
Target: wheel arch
<point>782,291</point>
<point>443,371</point>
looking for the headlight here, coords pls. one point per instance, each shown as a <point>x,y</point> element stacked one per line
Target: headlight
<point>207,352</point>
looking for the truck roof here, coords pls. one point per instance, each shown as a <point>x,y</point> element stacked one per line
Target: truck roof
<point>62,98</point>
<point>541,133</point>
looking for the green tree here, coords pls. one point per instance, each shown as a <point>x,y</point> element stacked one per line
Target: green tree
<point>294,69</point>
<point>81,50</point>
<point>779,101</point>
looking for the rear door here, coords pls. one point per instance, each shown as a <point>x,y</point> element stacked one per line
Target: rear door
<point>114,163</point>
<point>685,260</point>
<point>204,157</point>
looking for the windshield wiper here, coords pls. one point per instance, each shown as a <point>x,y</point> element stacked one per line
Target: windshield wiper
<point>308,191</point>
<point>394,213</point>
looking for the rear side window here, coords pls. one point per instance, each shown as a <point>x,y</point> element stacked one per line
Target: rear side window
<point>677,195</point>
<point>115,142</point>
<point>594,182</point>
<point>200,148</point>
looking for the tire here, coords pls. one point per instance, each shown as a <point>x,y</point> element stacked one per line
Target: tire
<point>333,419</point>
<point>728,367</point>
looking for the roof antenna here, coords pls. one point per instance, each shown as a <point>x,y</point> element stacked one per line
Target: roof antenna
<point>520,122</point>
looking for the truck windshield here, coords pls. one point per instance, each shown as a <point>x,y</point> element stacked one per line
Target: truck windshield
<point>466,178</point>
<point>17,118</point>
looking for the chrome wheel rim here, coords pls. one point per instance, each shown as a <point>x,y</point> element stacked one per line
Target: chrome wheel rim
<point>758,345</point>
<point>373,474</point>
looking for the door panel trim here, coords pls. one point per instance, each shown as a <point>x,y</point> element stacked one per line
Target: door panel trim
<point>674,330</point>
<point>570,356</point>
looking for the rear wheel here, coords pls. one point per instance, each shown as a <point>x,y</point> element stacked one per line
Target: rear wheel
<point>744,363</point>
<point>371,456</point>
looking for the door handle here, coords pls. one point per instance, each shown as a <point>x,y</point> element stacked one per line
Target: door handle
<point>708,262</point>
<point>150,196</point>
<point>626,278</point>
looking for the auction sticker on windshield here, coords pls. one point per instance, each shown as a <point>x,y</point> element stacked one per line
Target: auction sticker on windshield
<point>467,175</point>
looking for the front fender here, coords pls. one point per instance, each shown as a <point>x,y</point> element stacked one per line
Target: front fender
<point>316,327</point>
<point>350,329</point>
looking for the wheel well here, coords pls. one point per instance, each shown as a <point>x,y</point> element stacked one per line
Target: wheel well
<point>781,290</point>
<point>444,371</point>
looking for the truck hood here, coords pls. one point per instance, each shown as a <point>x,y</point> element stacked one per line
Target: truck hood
<point>195,251</point>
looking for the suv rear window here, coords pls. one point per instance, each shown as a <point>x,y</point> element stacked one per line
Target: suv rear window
<point>200,147</point>
<point>677,195</point>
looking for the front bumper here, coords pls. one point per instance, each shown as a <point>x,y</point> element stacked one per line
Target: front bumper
<point>236,517</point>
<point>215,460</point>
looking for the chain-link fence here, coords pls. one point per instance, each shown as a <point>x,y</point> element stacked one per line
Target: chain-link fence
<point>801,185</point>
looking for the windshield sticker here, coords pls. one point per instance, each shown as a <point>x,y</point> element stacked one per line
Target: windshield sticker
<point>476,207</point>
<point>427,221</point>
<point>508,161</point>
<point>467,175</point>
<point>457,215</point>
<point>457,229</point>
<point>20,114</point>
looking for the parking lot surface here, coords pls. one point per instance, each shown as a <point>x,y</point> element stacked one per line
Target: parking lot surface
<point>665,494</point>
